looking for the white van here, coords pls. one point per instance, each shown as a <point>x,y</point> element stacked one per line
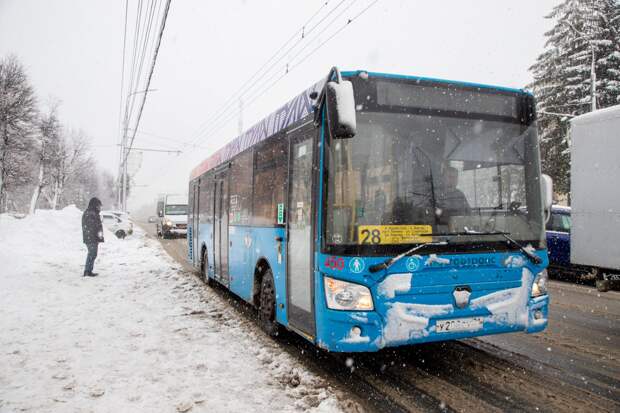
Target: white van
<point>172,213</point>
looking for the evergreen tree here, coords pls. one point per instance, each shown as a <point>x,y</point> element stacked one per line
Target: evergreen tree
<point>583,45</point>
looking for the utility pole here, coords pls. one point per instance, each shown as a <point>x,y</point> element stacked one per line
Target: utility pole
<point>593,79</point>
<point>125,153</point>
<point>588,38</point>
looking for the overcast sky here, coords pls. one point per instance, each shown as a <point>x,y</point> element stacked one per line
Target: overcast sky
<point>72,52</point>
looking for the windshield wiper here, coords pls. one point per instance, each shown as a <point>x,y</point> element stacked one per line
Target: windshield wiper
<point>389,262</point>
<point>529,254</point>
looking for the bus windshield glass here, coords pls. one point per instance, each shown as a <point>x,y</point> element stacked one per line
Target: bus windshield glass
<point>176,209</point>
<point>406,175</point>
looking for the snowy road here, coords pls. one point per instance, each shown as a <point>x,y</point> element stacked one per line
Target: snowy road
<point>142,336</point>
<point>573,366</point>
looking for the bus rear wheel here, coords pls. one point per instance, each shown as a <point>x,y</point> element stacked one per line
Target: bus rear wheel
<point>267,305</point>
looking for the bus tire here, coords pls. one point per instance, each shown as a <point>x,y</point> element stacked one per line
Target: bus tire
<point>204,268</point>
<point>267,305</point>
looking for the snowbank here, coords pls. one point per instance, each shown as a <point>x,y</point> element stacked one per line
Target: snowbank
<point>142,336</point>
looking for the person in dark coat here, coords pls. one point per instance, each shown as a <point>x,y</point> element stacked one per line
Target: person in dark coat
<point>92,233</point>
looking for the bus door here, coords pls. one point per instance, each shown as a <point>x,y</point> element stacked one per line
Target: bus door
<point>195,208</point>
<point>300,285</point>
<point>220,230</point>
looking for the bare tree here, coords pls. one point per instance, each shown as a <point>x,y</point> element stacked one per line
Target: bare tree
<point>70,158</point>
<point>50,130</point>
<point>17,112</point>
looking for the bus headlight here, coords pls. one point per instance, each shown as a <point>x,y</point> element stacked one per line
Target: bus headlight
<point>342,295</point>
<point>168,223</point>
<point>540,284</point>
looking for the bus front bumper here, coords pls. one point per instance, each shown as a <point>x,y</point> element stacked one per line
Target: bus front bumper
<point>356,331</point>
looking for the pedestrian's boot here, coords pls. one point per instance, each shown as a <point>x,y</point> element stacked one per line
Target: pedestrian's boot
<point>90,274</point>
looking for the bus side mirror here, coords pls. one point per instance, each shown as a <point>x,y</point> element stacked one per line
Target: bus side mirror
<point>341,109</point>
<point>160,213</point>
<point>547,189</point>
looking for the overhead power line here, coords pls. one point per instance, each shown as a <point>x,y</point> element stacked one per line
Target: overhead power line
<point>148,81</point>
<point>143,44</point>
<point>301,34</point>
<point>120,105</point>
<point>259,88</point>
<point>266,86</point>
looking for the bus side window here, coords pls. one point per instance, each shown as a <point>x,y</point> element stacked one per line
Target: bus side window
<point>241,189</point>
<point>205,202</point>
<point>270,173</point>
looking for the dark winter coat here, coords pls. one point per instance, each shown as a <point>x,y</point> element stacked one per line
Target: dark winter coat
<point>92,229</point>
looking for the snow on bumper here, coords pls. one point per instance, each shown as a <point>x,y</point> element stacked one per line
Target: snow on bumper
<point>504,311</point>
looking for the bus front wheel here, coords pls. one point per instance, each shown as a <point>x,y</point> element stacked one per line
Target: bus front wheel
<point>267,306</point>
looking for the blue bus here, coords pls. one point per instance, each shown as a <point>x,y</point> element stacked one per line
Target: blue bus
<point>377,210</point>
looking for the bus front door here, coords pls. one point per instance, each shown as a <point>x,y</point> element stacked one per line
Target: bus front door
<point>300,288</point>
<point>220,230</point>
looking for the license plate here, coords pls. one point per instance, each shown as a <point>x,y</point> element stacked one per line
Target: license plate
<point>459,324</point>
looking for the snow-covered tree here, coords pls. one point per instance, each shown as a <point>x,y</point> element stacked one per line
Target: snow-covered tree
<point>581,61</point>
<point>17,115</point>
<point>70,158</point>
<point>48,137</point>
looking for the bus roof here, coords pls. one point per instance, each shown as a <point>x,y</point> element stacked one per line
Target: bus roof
<point>298,108</point>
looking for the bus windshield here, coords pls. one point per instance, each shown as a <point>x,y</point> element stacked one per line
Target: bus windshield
<point>406,175</point>
<point>176,209</point>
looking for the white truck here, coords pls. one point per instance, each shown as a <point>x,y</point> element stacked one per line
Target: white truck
<point>172,216</point>
<point>595,194</point>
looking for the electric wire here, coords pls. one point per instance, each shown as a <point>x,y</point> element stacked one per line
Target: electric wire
<point>226,118</point>
<point>266,68</point>
<point>148,81</point>
<point>237,93</point>
<point>144,41</point>
<point>269,85</point>
<point>133,59</point>
<point>120,105</point>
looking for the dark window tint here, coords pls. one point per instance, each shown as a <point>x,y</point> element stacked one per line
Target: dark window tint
<point>270,171</point>
<point>559,222</point>
<point>241,189</point>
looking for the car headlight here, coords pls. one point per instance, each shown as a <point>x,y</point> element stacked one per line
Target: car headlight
<point>540,284</point>
<point>342,295</point>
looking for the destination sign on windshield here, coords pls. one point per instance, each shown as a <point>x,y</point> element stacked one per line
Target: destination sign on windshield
<point>446,99</point>
<point>393,234</point>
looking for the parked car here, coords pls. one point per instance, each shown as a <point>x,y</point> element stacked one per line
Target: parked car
<point>120,227</point>
<point>122,215</point>
<point>558,236</point>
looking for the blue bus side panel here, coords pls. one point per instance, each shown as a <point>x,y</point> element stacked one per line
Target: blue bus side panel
<point>248,246</point>
<point>241,261</point>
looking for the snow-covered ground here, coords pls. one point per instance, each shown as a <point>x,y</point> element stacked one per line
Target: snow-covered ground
<point>142,336</point>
